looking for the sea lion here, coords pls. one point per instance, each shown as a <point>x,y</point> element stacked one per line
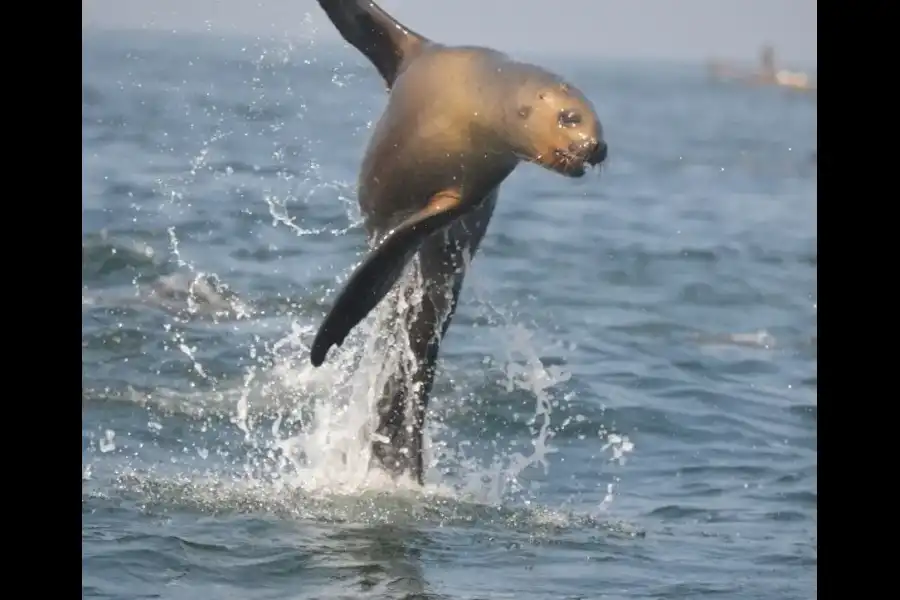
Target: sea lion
<point>457,122</point>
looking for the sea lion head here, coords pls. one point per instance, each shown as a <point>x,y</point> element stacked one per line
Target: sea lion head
<point>553,124</point>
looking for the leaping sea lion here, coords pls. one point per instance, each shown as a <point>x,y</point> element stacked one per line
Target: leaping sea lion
<point>457,122</point>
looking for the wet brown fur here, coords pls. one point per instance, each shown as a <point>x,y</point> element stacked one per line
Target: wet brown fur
<point>457,122</point>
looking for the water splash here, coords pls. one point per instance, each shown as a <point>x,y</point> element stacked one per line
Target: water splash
<point>309,429</point>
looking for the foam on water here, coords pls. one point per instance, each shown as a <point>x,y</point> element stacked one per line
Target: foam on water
<point>308,429</point>
<point>321,438</point>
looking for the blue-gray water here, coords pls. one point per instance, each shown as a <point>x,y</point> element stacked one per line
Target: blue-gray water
<point>627,401</point>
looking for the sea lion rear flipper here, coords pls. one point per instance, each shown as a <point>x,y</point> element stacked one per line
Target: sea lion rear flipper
<point>377,274</point>
<point>372,31</point>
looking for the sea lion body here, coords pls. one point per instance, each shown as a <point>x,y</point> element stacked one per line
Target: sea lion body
<point>458,121</point>
<point>418,149</point>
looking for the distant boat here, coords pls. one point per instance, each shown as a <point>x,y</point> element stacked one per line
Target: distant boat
<point>765,74</point>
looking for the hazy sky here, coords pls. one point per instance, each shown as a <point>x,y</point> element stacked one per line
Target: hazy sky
<point>680,29</point>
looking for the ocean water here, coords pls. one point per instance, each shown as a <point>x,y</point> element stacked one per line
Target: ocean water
<point>626,405</point>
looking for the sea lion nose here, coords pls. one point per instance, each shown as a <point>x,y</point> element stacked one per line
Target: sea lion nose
<point>598,153</point>
<point>593,150</point>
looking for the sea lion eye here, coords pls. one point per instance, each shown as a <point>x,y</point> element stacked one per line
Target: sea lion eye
<point>569,118</point>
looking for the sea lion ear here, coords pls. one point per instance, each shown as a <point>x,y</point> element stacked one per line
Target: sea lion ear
<point>525,111</point>
<point>382,39</point>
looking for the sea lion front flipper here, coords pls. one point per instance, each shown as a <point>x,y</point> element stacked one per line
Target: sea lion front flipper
<point>377,274</point>
<point>381,38</point>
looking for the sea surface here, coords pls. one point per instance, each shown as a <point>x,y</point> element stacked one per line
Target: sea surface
<point>627,400</point>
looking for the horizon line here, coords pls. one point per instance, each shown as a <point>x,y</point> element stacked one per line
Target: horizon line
<point>328,42</point>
